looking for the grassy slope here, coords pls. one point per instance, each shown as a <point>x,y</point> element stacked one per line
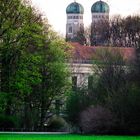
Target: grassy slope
<point>63,137</point>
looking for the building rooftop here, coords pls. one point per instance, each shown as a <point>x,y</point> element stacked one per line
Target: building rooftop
<point>86,54</point>
<point>100,7</point>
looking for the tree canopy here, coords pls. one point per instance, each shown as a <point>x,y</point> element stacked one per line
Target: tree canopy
<point>32,65</point>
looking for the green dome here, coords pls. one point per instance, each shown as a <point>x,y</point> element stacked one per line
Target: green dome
<point>100,7</point>
<point>75,8</point>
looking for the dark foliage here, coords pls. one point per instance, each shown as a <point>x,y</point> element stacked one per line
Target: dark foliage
<point>96,120</point>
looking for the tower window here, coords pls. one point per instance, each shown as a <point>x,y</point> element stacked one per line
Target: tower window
<point>69,17</point>
<point>70,29</point>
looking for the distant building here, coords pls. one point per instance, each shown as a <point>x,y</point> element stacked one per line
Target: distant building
<point>82,56</point>
<point>74,13</point>
<point>82,62</point>
<point>75,24</point>
<point>100,23</point>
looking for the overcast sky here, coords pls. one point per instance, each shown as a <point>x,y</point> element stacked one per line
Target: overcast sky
<point>55,10</point>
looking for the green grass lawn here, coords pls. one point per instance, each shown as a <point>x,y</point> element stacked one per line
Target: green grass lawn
<point>63,137</point>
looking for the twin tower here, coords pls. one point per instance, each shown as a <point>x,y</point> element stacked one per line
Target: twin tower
<point>75,11</point>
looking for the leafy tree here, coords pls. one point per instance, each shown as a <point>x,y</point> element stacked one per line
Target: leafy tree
<point>81,36</point>
<point>100,33</point>
<point>33,73</point>
<point>118,32</point>
<point>77,101</point>
<point>117,90</point>
<point>54,73</point>
<point>124,32</point>
<point>21,35</point>
<point>110,68</point>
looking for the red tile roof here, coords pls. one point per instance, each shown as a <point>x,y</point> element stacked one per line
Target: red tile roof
<point>81,52</point>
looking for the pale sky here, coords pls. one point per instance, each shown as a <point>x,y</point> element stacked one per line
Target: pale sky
<point>55,10</point>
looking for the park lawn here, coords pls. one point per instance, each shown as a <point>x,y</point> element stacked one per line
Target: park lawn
<point>63,137</point>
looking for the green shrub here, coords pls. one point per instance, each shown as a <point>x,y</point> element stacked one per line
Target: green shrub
<point>77,101</point>
<point>7,122</point>
<point>57,123</point>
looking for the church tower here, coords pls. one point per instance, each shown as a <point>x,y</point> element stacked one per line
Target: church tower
<point>100,23</point>
<point>74,13</point>
<point>100,11</point>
